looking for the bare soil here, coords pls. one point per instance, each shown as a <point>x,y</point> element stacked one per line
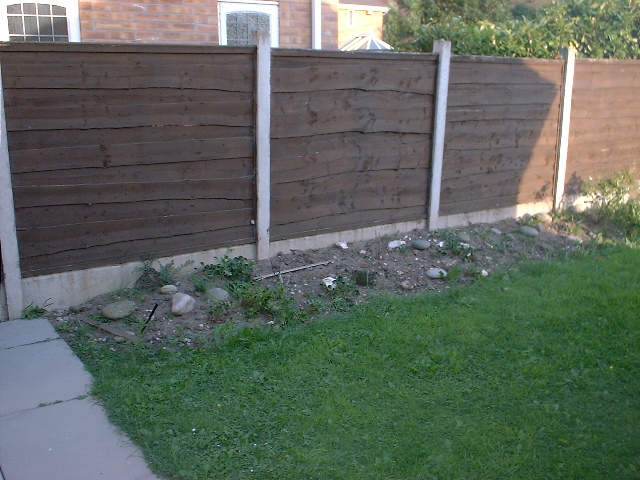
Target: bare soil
<point>362,270</point>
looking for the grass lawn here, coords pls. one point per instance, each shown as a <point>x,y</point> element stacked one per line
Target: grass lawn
<point>529,374</point>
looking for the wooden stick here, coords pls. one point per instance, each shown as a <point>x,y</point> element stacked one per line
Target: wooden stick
<point>110,329</point>
<point>295,269</point>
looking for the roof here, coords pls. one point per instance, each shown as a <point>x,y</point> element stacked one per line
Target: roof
<point>365,42</point>
<point>366,3</point>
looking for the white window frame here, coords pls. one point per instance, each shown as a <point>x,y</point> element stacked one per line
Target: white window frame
<point>269,8</point>
<point>73,17</point>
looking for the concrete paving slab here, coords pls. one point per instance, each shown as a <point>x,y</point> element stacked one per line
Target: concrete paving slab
<point>40,373</point>
<point>23,332</point>
<point>71,440</point>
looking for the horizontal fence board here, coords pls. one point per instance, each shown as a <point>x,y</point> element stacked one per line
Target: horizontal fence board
<point>481,70</point>
<point>471,163</point>
<point>131,115</point>
<point>469,95</point>
<point>203,170</point>
<point>146,249</point>
<point>131,137</point>
<point>132,192</point>
<point>347,221</point>
<point>60,215</point>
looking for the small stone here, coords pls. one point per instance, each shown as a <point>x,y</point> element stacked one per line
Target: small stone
<point>420,244</point>
<point>497,231</point>
<point>169,289</point>
<point>216,294</point>
<point>181,304</point>
<point>342,245</point>
<point>464,237</point>
<point>574,238</point>
<point>117,310</point>
<point>544,218</point>
<point>396,244</point>
<point>407,285</point>
<point>529,231</point>
<point>436,273</point>
<point>76,308</point>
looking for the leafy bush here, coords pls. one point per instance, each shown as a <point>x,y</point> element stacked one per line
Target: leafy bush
<point>606,29</point>
<point>615,198</point>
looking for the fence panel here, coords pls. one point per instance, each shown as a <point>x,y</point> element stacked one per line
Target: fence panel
<point>123,153</point>
<point>605,127</point>
<point>502,124</point>
<point>350,140</point>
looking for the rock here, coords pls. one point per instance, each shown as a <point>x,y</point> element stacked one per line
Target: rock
<point>181,304</point>
<point>329,282</point>
<point>216,294</point>
<point>76,308</point>
<point>464,237</point>
<point>169,289</point>
<point>420,244</point>
<point>436,273</point>
<point>529,231</point>
<point>544,218</point>
<point>407,285</point>
<point>342,245</point>
<point>497,231</point>
<point>396,244</point>
<point>484,273</point>
<point>117,310</point>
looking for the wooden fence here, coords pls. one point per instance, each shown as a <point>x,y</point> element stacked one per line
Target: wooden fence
<point>130,152</point>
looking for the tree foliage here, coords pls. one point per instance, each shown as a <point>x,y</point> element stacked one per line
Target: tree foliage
<point>598,29</point>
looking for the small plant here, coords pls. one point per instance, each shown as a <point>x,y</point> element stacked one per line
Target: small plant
<point>32,311</point>
<point>615,198</point>
<point>236,269</point>
<point>150,278</point>
<point>218,310</point>
<point>200,283</point>
<point>451,244</point>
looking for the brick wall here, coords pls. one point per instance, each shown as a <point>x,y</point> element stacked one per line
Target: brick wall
<point>364,21</point>
<point>193,21</point>
<point>174,21</point>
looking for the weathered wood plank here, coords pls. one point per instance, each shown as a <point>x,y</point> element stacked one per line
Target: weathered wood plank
<point>465,163</point>
<point>354,119</point>
<point>365,76</point>
<point>231,113</point>
<point>518,72</point>
<point>202,170</point>
<point>133,251</point>
<point>346,221</point>
<point>296,103</point>
<point>31,196</point>
<point>57,215</point>
<point>470,95</point>
<point>129,137</point>
<point>489,135</point>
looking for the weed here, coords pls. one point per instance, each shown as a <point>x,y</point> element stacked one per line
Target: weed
<point>451,244</point>
<point>615,198</point>
<point>200,282</point>
<point>218,310</point>
<point>150,278</point>
<point>236,269</point>
<point>32,311</point>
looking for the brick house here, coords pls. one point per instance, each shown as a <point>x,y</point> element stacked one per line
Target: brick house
<point>293,23</point>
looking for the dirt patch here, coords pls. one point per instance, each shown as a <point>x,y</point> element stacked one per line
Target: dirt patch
<point>361,270</point>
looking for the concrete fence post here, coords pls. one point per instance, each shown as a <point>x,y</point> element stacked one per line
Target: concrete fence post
<point>569,55</point>
<point>263,144</point>
<point>8,234</point>
<point>443,48</point>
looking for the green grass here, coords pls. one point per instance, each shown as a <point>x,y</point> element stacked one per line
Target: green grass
<point>530,374</point>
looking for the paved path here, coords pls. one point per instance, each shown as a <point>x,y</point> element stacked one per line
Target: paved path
<point>50,428</point>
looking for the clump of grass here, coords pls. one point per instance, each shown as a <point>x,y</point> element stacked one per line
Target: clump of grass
<point>32,311</point>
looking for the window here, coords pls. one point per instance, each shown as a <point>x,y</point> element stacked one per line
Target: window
<point>238,21</point>
<point>39,22</point>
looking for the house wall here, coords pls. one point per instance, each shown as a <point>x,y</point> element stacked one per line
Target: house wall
<point>364,21</point>
<point>194,22</point>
